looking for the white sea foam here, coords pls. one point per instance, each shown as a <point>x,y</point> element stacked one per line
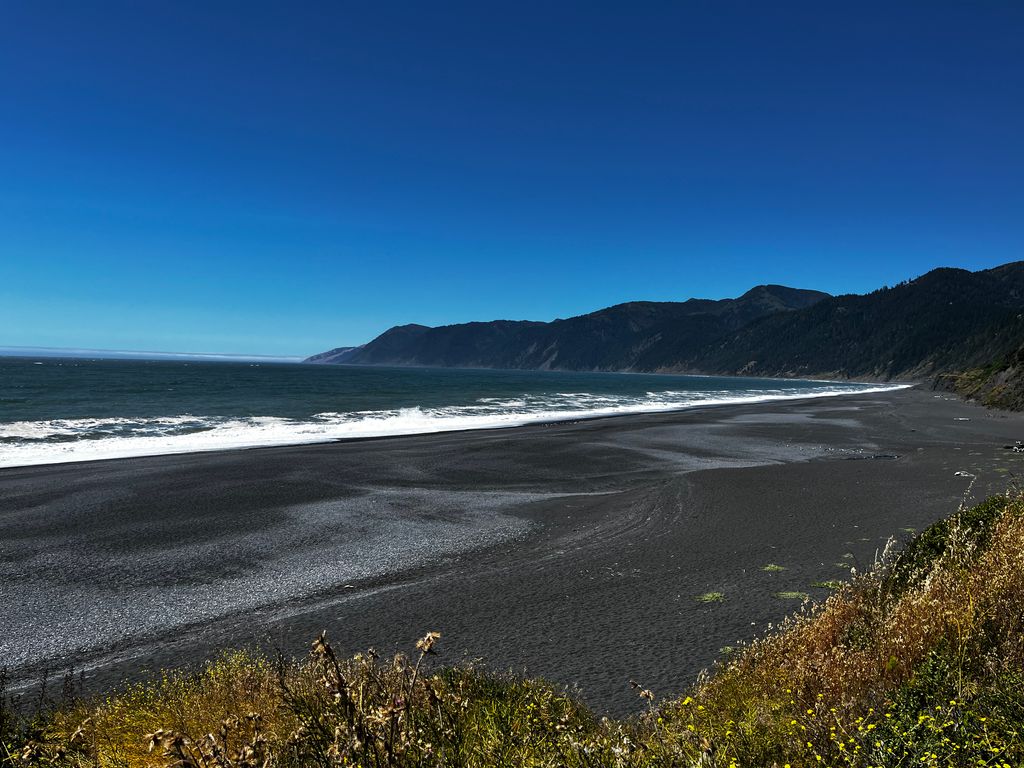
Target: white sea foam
<point>78,428</point>
<point>26,443</point>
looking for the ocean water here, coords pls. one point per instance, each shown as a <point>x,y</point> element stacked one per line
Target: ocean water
<point>56,410</point>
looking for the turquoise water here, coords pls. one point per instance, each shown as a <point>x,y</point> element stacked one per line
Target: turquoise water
<point>56,410</point>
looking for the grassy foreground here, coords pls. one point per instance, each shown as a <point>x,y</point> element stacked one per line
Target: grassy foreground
<point>918,663</point>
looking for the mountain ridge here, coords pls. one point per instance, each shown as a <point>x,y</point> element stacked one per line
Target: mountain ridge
<point>618,337</point>
<point>945,321</point>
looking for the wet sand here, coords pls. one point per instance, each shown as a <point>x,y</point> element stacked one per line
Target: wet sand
<point>575,552</point>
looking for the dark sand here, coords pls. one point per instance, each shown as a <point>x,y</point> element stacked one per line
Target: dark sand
<point>571,551</point>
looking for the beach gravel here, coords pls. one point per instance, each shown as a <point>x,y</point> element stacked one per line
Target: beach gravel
<point>578,552</point>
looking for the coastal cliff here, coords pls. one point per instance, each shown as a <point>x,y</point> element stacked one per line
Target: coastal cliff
<point>946,322</point>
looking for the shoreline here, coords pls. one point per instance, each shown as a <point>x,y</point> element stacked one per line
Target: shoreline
<point>620,524</point>
<point>524,420</point>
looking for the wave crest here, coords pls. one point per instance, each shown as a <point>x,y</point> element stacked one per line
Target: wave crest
<point>26,443</point>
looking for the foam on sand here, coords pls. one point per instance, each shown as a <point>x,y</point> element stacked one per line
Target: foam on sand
<point>27,443</point>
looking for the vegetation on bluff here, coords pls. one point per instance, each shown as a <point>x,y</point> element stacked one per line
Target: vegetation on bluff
<point>919,662</point>
<point>999,384</point>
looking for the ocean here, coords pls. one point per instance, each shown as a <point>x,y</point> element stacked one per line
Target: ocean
<point>55,410</point>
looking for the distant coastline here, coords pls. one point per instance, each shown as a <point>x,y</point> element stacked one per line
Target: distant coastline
<point>957,329</point>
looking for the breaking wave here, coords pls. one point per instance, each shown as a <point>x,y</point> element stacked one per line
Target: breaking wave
<point>25,443</point>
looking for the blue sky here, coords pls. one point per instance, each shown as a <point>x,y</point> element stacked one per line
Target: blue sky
<point>282,178</point>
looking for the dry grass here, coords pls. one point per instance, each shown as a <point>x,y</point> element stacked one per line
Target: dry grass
<point>920,662</point>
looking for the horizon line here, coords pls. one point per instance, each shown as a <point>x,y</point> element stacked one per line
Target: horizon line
<point>138,354</point>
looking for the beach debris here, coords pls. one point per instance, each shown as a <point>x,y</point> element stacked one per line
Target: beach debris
<point>961,473</point>
<point>1017,447</point>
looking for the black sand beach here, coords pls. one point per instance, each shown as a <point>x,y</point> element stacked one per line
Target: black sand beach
<point>573,551</point>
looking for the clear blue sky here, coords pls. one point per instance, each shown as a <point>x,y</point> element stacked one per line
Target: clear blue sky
<point>282,178</point>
